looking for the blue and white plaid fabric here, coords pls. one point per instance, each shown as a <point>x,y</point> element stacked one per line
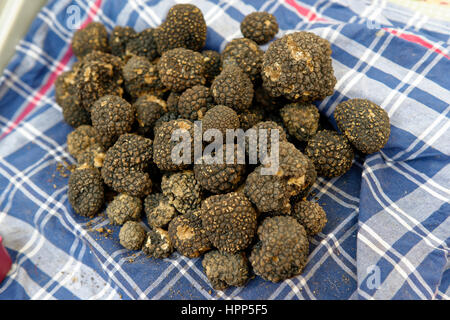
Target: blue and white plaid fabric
<point>388,227</point>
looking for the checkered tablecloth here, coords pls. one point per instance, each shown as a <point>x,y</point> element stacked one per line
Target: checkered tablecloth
<point>388,227</point>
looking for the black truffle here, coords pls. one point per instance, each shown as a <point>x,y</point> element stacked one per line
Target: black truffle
<point>184,27</point>
<point>301,120</point>
<point>233,88</point>
<point>158,244</point>
<point>331,153</point>
<point>148,110</point>
<point>94,155</point>
<point>124,165</point>
<point>180,69</point>
<point>194,102</point>
<point>245,54</point>
<point>158,210</point>
<point>364,123</point>
<point>91,38</point>
<point>221,118</point>
<point>81,139</point>
<point>143,44</point>
<point>132,235</point>
<point>112,116</point>
<point>298,66</point>
<point>249,118</point>
<point>142,77</point>
<point>124,208</point>
<point>225,269</point>
<point>163,145</point>
<point>119,38</point>
<point>182,190</point>
<point>282,250</point>
<point>188,236</point>
<point>260,27</point>
<point>213,64</point>
<point>230,221</point>
<point>86,193</point>
<point>311,216</point>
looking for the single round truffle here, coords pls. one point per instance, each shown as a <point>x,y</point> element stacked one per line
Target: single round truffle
<point>148,110</point>
<point>86,193</point>
<point>184,27</point>
<point>143,44</point>
<point>213,64</point>
<point>364,123</point>
<point>301,120</point>
<point>182,190</point>
<point>194,102</point>
<point>245,54</point>
<point>142,77</point>
<point>260,27</point>
<point>230,221</point>
<point>180,69</point>
<point>132,235</point>
<point>124,208</point>
<point>112,116</point>
<point>81,139</point>
<point>119,38</point>
<point>298,66</point>
<point>311,216</point>
<point>124,165</point>
<point>158,210</point>
<point>221,118</point>
<point>91,38</point>
<point>233,88</point>
<point>158,244</point>
<point>282,251</point>
<point>331,153</point>
<point>225,269</point>
<point>188,236</point>
<point>164,145</point>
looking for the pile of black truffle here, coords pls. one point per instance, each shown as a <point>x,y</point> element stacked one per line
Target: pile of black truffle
<point>130,91</point>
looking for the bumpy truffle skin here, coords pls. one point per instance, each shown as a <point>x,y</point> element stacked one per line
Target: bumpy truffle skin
<point>213,64</point>
<point>119,38</point>
<point>180,69</point>
<point>124,165</point>
<point>132,235</point>
<point>182,190</point>
<point>311,216</point>
<point>249,118</point>
<point>260,27</point>
<point>220,177</point>
<point>301,120</point>
<point>184,27</point>
<point>233,88</point>
<point>124,208</point>
<point>263,137</point>
<point>142,77</point>
<point>225,269</point>
<point>310,179</point>
<point>221,118</point>
<point>188,236</point>
<point>282,250</point>
<point>163,144</point>
<point>112,116</point>
<point>93,37</point>
<point>148,110</point>
<point>81,139</point>
<point>92,156</point>
<point>245,54</point>
<point>194,102</point>
<point>298,66</point>
<point>86,193</point>
<point>99,74</point>
<point>158,210</point>
<point>230,221</point>
<point>364,123</point>
<point>172,101</point>
<point>143,44</point>
<point>158,244</point>
<point>331,153</point>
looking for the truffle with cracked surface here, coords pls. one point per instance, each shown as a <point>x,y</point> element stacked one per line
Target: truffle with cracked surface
<point>143,44</point>
<point>148,110</point>
<point>92,156</point>
<point>119,38</point>
<point>132,235</point>
<point>142,77</point>
<point>301,120</point>
<point>124,208</point>
<point>93,37</point>
<point>158,244</point>
<point>260,27</point>
<point>364,123</point>
<point>158,210</point>
<point>81,139</point>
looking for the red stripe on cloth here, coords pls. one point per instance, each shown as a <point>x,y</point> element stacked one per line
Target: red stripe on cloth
<point>416,39</point>
<point>305,12</point>
<point>53,76</point>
